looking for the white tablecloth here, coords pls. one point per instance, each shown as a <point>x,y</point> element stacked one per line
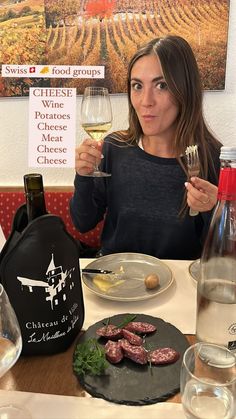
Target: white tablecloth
<point>176,305</point>
<point>47,406</point>
<point>2,238</point>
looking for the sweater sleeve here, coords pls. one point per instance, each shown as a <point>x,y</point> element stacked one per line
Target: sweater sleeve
<point>87,205</point>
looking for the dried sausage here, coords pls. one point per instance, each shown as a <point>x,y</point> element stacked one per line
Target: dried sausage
<point>140,327</point>
<point>133,352</point>
<point>163,356</point>
<point>132,337</point>
<point>113,352</point>
<point>110,332</point>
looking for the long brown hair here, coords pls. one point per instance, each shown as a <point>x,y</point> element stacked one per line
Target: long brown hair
<point>181,74</point>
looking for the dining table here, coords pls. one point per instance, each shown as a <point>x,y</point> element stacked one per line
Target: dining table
<point>2,238</point>
<point>47,385</point>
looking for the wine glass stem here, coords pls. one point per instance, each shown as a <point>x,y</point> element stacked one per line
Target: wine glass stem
<point>96,168</point>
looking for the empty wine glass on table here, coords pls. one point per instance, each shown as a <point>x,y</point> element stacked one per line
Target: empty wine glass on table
<point>208,382</point>
<point>10,349</point>
<point>96,117</point>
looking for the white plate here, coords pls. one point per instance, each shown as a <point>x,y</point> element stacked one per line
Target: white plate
<point>194,270</point>
<point>135,267</point>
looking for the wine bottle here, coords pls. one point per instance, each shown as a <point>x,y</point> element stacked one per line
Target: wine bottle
<point>216,293</point>
<point>34,193</point>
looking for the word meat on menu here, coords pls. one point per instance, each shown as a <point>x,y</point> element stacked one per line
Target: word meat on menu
<point>52,124</point>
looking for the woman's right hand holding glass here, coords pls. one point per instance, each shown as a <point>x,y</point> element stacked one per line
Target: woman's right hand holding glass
<point>87,155</point>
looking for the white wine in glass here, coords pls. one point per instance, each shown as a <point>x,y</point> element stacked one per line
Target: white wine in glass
<point>10,350</point>
<point>96,117</point>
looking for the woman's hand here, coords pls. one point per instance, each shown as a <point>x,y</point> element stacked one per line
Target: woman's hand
<point>201,194</point>
<point>87,155</point>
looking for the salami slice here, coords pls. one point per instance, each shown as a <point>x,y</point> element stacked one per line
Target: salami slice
<point>113,352</point>
<point>133,352</point>
<point>132,337</point>
<point>163,356</point>
<point>110,332</point>
<point>140,327</point>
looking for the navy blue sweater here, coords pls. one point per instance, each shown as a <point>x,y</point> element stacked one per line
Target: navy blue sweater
<point>141,203</point>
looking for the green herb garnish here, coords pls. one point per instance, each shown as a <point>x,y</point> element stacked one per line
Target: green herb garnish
<point>127,320</point>
<point>148,347</point>
<point>89,358</point>
<point>107,322</point>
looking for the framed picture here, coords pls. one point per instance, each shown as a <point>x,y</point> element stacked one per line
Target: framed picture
<point>105,33</point>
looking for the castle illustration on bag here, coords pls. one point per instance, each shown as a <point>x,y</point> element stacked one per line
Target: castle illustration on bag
<point>55,283</point>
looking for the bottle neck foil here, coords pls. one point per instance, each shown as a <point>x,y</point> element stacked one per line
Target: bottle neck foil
<point>227,184</point>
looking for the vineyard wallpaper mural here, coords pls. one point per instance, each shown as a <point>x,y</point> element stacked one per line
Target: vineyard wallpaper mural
<point>105,33</point>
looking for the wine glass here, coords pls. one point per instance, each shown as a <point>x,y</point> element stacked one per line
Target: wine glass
<point>96,117</point>
<point>208,382</point>
<point>10,349</point>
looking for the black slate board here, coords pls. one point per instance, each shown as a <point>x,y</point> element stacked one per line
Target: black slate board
<point>132,384</point>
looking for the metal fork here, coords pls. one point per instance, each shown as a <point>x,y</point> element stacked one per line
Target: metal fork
<point>193,165</point>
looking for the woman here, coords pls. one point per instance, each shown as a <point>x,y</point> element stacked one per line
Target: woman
<point>145,201</point>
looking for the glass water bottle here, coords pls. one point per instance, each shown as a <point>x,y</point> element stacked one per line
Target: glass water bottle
<point>216,293</point>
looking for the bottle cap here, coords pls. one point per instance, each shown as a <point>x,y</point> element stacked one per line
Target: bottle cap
<point>228,153</point>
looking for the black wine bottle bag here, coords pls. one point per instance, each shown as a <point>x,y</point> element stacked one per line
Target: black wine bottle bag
<point>39,269</point>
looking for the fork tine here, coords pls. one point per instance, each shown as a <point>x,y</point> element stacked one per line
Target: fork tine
<point>195,155</point>
<point>192,155</point>
<point>191,149</point>
<point>193,166</point>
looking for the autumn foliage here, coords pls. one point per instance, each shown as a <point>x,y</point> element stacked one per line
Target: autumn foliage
<point>100,8</point>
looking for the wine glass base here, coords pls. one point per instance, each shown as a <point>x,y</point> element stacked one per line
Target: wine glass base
<point>97,174</point>
<point>14,412</point>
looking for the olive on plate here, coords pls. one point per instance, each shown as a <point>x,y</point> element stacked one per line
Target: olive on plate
<point>151,281</point>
